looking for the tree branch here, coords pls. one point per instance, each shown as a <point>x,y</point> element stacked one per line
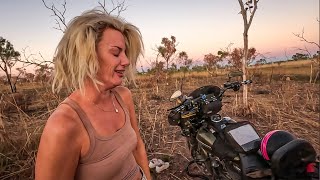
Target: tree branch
<point>302,38</point>
<point>304,50</point>
<point>243,12</point>
<point>255,7</point>
<point>59,15</point>
<point>119,7</point>
<point>29,59</point>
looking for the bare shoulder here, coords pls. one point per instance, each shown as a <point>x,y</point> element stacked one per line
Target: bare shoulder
<point>62,123</point>
<point>124,92</point>
<point>60,145</point>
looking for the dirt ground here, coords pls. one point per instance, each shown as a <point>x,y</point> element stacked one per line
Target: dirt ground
<point>286,105</point>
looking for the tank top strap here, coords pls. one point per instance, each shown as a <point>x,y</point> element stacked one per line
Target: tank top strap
<point>86,123</point>
<point>82,115</point>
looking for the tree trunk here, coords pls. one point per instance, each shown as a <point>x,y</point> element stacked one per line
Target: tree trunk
<point>311,71</point>
<point>271,75</point>
<point>247,23</point>
<point>157,87</point>
<point>182,81</point>
<point>13,89</point>
<point>315,79</point>
<point>167,71</point>
<point>244,67</point>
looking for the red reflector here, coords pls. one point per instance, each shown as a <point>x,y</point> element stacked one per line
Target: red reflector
<point>310,168</point>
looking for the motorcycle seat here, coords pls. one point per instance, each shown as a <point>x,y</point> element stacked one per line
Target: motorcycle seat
<point>292,159</point>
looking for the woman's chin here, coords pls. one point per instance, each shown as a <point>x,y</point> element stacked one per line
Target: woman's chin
<point>111,84</point>
<point>117,82</point>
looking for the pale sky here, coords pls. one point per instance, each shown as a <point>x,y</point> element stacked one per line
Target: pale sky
<point>200,26</point>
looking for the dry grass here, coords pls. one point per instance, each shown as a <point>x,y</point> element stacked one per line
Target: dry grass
<point>296,70</point>
<point>289,105</point>
<point>299,63</point>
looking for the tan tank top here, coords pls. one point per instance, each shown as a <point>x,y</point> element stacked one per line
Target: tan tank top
<point>108,158</point>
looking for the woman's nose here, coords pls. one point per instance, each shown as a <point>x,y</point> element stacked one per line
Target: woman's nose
<point>125,61</point>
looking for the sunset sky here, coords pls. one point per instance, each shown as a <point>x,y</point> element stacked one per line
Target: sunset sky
<point>200,27</point>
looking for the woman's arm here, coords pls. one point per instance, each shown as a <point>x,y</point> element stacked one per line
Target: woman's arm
<point>139,153</point>
<point>59,148</point>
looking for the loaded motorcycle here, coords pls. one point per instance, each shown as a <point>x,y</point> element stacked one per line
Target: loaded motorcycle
<point>234,150</point>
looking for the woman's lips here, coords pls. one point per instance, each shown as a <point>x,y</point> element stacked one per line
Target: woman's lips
<point>120,73</point>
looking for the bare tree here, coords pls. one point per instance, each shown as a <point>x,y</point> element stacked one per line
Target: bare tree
<point>117,7</point>
<point>224,53</point>
<point>251,7</point>
<point>315,61</point>
<point>33,59</point>
<point>302,38</point>
<point>43,73</point>
<point>305,50</point>
<point>59,13</point>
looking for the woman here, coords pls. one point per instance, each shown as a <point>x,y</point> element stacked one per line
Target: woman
<point>93,134</point>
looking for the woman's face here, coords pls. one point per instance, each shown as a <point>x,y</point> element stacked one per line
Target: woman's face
<point>112,58</point>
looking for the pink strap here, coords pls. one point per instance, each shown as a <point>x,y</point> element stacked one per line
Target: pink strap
<point>263,145</point>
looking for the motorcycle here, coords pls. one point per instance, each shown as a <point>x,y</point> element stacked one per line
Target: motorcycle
<point>228,149</point>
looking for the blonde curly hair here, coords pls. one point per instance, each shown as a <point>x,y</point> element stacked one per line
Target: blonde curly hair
<point>75,56</point>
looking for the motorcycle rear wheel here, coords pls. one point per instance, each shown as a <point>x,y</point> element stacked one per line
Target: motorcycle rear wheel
<point>229,172</point>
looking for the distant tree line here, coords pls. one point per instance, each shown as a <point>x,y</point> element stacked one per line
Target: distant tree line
<point>172,61</point>
<point>168,59</point>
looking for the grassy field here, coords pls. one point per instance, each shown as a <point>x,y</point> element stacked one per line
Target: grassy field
<point>277,104</point>
<point>297,70</point>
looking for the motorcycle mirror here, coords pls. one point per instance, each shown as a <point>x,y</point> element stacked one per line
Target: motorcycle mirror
<point>175,95</point>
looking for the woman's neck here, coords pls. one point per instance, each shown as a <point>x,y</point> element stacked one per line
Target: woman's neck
<point>95,94</point>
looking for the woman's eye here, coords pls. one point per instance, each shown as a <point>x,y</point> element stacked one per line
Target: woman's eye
<point>117,55</point>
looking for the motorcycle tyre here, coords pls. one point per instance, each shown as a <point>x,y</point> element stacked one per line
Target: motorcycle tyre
<point>230,170</point>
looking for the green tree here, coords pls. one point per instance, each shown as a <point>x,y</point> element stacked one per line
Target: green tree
<point>167,49</point>
<point>299,56</point>
<point>237,55</point>
<point>9,57</point>
<point>198,68</point>
<point>211,62</point>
